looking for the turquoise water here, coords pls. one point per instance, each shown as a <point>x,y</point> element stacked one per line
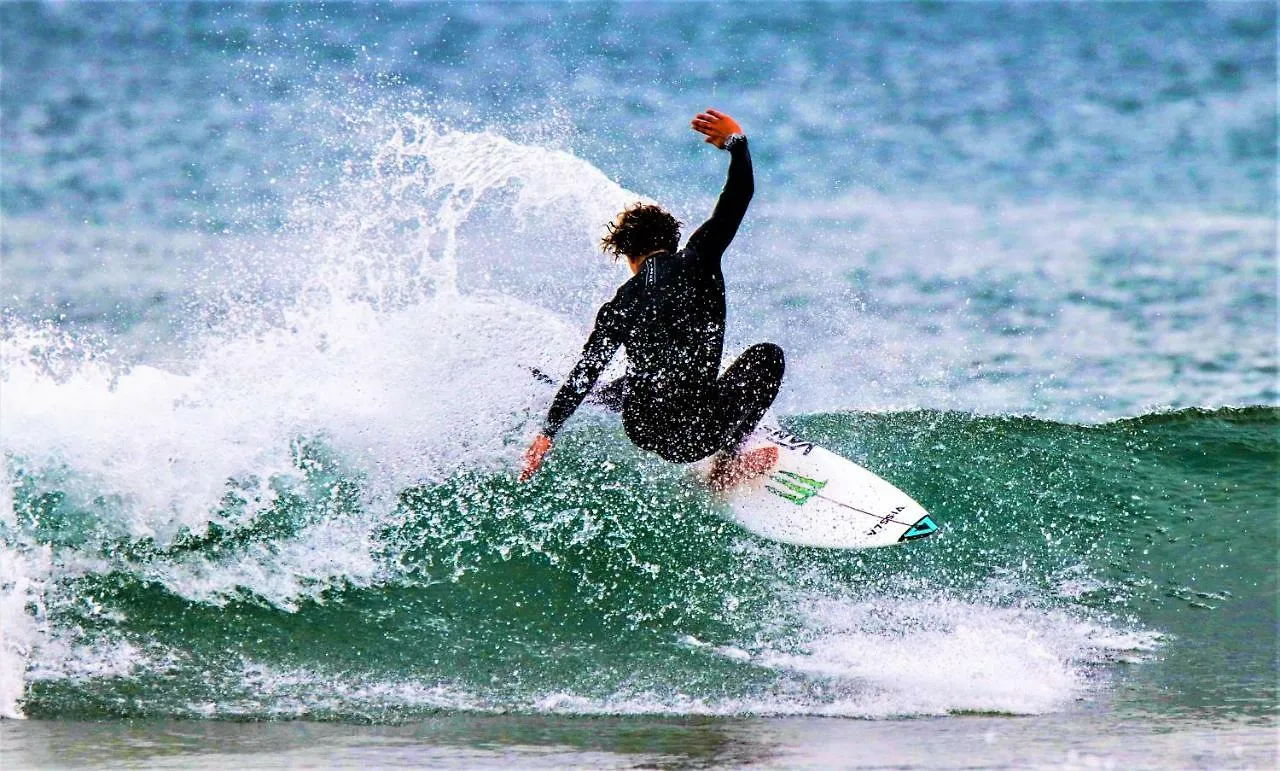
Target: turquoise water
<point>613,586</point>
<point>273,275</point>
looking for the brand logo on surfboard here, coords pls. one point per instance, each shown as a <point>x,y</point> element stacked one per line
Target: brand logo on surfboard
<point>924,526</point>
<point>886,519</point>
<point>799,489</point>
<point>788,440</point>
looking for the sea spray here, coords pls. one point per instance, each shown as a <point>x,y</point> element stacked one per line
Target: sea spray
<point>364,341</point>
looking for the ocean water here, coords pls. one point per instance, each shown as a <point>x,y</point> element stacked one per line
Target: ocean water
<point>273,275</point>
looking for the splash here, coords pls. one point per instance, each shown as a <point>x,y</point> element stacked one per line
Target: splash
<point>359,331</point>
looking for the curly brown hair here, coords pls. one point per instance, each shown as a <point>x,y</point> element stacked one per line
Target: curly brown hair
<point>641,229</point>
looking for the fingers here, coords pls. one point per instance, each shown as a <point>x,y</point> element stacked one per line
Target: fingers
<point>531,467</point>
<point>715,125</point>
<point>713,120</point>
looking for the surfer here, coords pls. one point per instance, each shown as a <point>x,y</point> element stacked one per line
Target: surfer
<point>670,316</point>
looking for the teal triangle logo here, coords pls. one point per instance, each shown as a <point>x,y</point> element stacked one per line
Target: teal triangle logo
<point>924,526</point>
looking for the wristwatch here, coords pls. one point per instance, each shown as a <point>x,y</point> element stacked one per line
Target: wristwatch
<point>733,139</point>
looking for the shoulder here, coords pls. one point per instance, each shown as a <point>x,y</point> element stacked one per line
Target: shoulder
<point>615,310</point>
<point>631,289</point>
<point>692,259</point>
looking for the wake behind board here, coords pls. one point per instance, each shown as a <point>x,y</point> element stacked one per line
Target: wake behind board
<point>812,497</point>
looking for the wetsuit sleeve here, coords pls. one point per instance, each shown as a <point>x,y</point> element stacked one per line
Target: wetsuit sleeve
<point>710,240</point>
<point>603,343</point>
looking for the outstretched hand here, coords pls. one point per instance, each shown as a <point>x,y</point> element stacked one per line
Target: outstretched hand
<point>534,455</point>
<point>716,126</point>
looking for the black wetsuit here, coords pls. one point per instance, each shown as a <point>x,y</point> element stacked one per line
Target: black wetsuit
<point>670,316</point>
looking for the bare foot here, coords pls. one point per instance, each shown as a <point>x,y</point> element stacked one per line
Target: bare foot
<point>729,470</point>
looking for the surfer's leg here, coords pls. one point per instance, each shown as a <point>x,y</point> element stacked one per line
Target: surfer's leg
<point>718,423</point>
<point>746,389</point>
<point>685,435</point>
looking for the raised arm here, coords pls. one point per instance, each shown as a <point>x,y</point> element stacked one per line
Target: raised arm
<point>710,240</point>
<point>603,343</point>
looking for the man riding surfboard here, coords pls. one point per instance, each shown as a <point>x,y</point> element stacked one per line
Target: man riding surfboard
<point>670,316</point>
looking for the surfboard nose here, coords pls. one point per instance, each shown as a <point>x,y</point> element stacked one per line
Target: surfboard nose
<point>923,527</point>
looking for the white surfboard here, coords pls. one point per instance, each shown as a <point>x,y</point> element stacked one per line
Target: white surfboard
<point>813,497</point>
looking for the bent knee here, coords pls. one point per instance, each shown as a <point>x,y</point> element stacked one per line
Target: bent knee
<point>770,355</point>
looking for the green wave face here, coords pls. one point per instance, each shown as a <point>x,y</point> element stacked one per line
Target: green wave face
<point>1130,559</point>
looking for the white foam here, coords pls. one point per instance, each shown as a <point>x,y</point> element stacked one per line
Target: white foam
<point>886,657</point>
<point>330,554</point>
<point>364,341</point>
<point>407,385</point>
<point>22,575</point>
<point>299,692</point>
<point>66,656</point>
